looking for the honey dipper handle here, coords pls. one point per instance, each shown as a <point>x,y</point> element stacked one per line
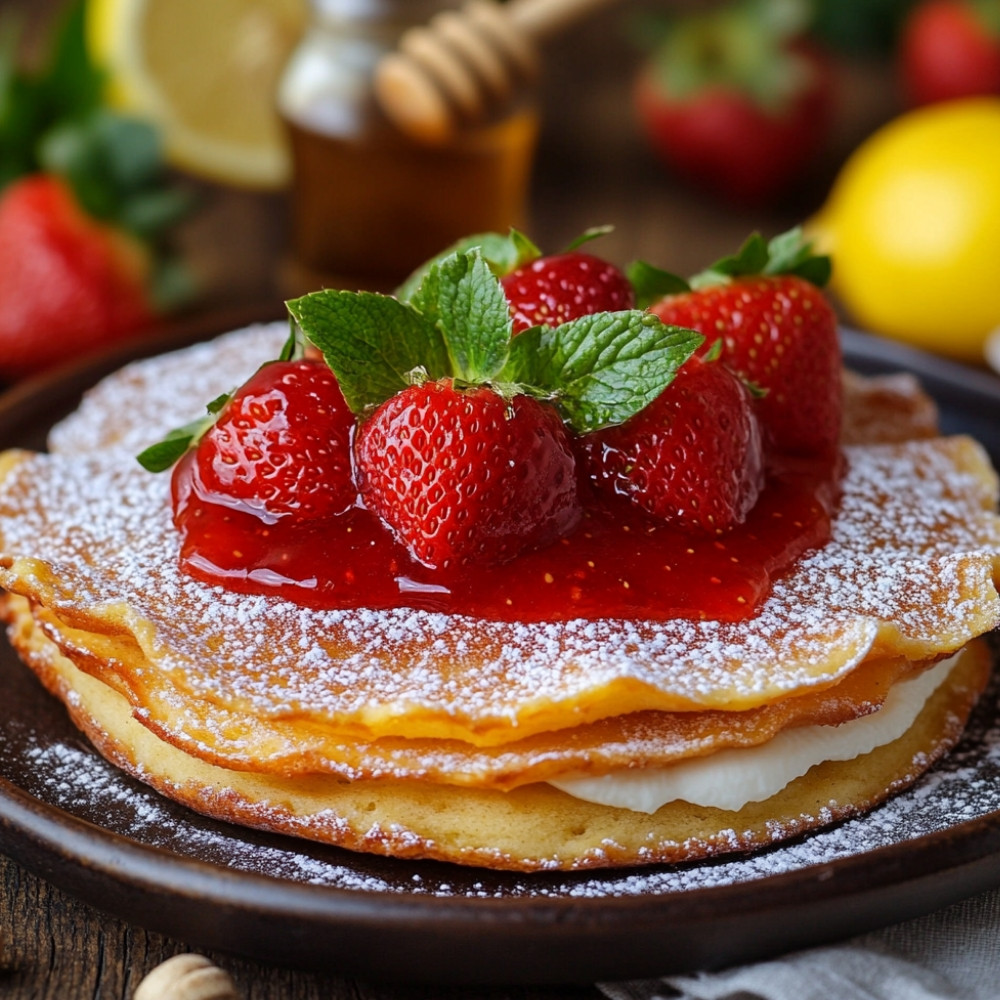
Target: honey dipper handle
<point>539,18</point>
<point>463,61</point>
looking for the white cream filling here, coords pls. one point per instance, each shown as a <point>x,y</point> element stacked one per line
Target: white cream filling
<point>730,779</point>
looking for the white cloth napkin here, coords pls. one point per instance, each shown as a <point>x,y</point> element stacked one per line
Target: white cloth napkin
<point>953,954</point>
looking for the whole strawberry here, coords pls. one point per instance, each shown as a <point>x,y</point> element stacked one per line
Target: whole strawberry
<point>554,289</point>
<point>279,447</point>
<point>734,102</point>
<point>778,332</point>
<point>68,283</point>
<point>693,457</point>
<point>464,476</point>
<point>86,206</point>
<point>950,49</point>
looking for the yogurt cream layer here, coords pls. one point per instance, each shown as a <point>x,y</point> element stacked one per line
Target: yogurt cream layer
<point>732,778</point>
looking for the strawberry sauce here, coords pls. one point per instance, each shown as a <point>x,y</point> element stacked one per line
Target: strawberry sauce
<point>619,563</point>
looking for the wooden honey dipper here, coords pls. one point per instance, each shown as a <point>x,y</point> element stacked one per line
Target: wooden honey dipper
<point>465,62</point>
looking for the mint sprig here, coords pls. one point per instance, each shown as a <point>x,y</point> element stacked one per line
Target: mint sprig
<point>376,340</point>
<point>598,370</point>
<point>465,303</point>
<point>601,369</point>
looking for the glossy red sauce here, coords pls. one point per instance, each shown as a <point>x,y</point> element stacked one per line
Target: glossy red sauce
<point>619,563</point>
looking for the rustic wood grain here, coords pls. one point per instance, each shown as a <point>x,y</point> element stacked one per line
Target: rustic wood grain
<point>56,948</point>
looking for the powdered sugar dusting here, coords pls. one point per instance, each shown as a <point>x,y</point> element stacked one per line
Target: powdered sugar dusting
<point>909,570</point>
<point>164,392</point>
<point>930,577</point>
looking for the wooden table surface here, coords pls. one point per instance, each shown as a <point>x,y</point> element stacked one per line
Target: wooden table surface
<point>591,169</point>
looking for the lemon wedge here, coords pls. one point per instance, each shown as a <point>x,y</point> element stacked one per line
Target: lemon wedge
<point>206,73</point>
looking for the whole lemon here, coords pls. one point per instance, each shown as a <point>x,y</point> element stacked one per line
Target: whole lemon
<point>913,224</point>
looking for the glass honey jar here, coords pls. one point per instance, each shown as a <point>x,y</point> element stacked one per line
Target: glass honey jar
<point>369,203</point>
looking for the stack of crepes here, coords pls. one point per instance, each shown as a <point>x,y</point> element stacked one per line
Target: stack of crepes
<point>518,746</point>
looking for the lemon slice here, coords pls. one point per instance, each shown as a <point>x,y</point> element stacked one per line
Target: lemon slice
<point>206,73</point>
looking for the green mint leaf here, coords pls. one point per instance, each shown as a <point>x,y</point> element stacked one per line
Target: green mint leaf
<point>462,297</point>
<point>503,252</point>
<point>162,455</point>
<point>371,342</point>
<point>653,283</point>
<point>603,368</point>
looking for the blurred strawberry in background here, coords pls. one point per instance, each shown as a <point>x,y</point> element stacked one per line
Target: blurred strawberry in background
<point>84,211</point>
<point>950,49</point>
<point>736,100</point>
<point>68,284</point>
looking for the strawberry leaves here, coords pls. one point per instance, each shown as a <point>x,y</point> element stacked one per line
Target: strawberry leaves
<point>786,253</point>
<point>597,370</point>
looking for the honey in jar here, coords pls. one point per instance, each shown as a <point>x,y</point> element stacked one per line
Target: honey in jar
<point>370,203</point>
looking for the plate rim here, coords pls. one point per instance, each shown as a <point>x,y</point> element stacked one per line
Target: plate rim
<point>45,838</point>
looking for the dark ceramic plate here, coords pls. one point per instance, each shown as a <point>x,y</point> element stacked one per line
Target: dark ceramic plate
<point>69,816</point>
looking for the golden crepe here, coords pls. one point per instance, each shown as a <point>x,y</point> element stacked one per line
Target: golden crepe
<point>422,734</point>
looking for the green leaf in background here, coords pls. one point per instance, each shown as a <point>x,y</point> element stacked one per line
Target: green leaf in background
<point>71,83</point>
<point>461,296</point>
<point>859,27</point>
<point>603,368</point>
<point>68,87</point>
<point>371,342</point>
